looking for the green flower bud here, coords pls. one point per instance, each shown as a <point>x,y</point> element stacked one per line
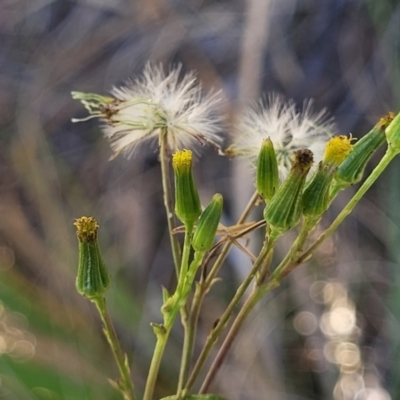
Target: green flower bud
<point>267,171</point>
<point>93,278</point>
<point>187,201</point>
<point>352,168</point>
<point>393,133</point>
<point>316,195</point>
<point>284,210</point>
<point>203,237</point>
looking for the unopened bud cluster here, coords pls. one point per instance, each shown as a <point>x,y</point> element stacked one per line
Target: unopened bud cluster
<point>343,165</point>
<point>286,203</point>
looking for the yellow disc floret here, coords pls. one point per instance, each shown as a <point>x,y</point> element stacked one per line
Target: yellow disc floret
<point>337,149</point>
<point>86,229</point>
<point>182,159</point>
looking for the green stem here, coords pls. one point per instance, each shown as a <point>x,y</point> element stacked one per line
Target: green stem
<point>200,292</point>
<point>185,257</point>
<point>168,200</point>
<point>386,159</point>
<point>223,321</point>
<point>125,385</point>
<point>185,360</point>
<point>162,338</point>
<point>264,270</point>
<point>257,293</point>
<point>189,339</point>
<point>307,226</point>
<point>221,258</point>
<point>170,310</point>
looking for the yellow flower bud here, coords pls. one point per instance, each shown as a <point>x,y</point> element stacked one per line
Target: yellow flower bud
<point>352,168</point>
<point>187,201</point>
<point>316,195</point>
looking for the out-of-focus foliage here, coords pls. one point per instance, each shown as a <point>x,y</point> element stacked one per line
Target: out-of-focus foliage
<point>344,54</point>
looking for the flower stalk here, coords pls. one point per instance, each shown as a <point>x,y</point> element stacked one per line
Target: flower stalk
<point>201,290</point>
<point>224,319</point>
<point>170,311</point>
<point>125,384</point>
<point>92,282</point>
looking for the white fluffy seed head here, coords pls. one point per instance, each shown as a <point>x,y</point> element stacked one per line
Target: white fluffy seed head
<point>157,101</point>
<point>289,130</point>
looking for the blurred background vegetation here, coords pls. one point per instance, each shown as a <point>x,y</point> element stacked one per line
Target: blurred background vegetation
<point>330,332</point>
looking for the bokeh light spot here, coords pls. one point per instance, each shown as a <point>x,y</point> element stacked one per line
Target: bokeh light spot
<point>347,355</point>
<point>333,291</point>
<point>305,323</point>
<point>348,386</point>
<point>317,291</point>
<point>342,320</point>
<point>22,350</point>
<point>372,394</point>
<point>330,350</point>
